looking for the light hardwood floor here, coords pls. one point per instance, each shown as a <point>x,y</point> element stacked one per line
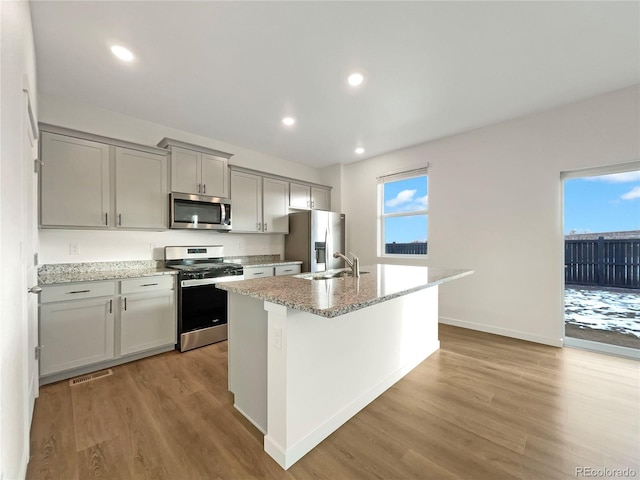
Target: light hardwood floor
<point>483,407</point>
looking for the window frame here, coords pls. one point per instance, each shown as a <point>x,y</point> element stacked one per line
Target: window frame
<point>383,216</point>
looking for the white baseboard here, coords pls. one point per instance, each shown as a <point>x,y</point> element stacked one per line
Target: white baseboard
<point>505,332</point>
<point>287,457</point>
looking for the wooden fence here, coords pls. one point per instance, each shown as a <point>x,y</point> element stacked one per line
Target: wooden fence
<point>414,248</point>
<point>610,263</point>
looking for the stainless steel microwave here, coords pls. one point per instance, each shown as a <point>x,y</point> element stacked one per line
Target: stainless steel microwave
<point>199,211</point>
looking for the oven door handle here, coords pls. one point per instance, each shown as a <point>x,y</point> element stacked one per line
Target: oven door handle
<point>209,281</point>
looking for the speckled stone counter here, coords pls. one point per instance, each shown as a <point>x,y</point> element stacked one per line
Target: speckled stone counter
<point>337,296</point>
<point>59,273</point>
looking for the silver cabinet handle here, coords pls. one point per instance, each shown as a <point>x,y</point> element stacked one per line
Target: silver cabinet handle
<point>199,188</point>
<point>204,188</point>
<point>79,291</point>
<point>148,284</point>
<point>111,306</point>
<point>125,303</point>
<point>258,273</point>
<point>35,289</point>
<point>258,226</point>
<point>119,219</point>
<point>265,227</point>
<point>106,219</point>
<point>313,204</point>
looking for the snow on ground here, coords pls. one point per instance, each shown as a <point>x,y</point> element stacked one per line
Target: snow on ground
<point>603,310</point>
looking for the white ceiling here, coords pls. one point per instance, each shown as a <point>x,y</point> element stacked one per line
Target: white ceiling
<point>232,70</point>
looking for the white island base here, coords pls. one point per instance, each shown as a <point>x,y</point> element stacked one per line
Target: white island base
<point>298,376</point>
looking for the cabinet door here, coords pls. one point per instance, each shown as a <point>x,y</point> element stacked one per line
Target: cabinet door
<point>214,178</point>
<point>76,333</point>
<point>147,320</point>
<point>320,198</point>
<point>74,182</point>
<point>299,196</point>
<point>185,172</point>
<point>246,209</point>
<point>275,205</point>
<point>141,189</point>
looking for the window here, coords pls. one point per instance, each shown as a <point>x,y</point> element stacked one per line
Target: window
<point>403,214</point>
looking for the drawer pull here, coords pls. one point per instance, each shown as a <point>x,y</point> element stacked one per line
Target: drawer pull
<point>148,284</point>
<point>79,291</point>
<point>258,273</point>
<point>288,270</point>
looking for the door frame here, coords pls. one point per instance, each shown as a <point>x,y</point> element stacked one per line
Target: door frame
<point>576,342</point>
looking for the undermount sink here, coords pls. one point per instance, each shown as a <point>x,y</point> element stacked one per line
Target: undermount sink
<point>327,275</point>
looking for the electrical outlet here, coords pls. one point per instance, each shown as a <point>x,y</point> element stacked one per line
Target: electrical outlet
<point>74,249</point>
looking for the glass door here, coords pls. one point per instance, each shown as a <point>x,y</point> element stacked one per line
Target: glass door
<point>602,259</point>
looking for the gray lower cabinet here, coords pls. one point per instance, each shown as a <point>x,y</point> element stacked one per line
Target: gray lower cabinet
<point>76,333</point>
<point>87,326</point>
<point>147,314</point>
<point>261,272</point>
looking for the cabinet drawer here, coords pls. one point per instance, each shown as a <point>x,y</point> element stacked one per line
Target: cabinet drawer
<point>146,284</point>
<point>287,269</point>
<point>258,272</point>
<point>77,291</point>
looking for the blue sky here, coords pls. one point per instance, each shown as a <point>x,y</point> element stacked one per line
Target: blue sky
<point>607,203</point>
<point>406,196</point>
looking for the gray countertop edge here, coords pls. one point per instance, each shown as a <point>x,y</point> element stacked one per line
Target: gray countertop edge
<point>340,310</point>
<point>62,278</point>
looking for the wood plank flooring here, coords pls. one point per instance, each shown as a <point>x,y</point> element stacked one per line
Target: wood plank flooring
<point>482,407</point>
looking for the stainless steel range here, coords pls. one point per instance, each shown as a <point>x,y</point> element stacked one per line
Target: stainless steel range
<point>202,308</point>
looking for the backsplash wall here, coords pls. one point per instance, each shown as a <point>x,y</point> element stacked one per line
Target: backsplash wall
<point>102,246</point>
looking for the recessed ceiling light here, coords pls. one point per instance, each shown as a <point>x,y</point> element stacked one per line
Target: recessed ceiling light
<point>355,79</point>
<point>122,53</point>
<point>288,121</point>
<point>359,150</point>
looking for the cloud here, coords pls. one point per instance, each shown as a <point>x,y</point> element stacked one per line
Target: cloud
<point>403,197</point>
<point>631,194</point>
<point>423,202</point>
<point>625,177</point>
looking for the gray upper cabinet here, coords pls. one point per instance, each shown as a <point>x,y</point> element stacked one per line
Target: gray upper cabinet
<point>197,170</point>
<point>259,204</point>
<point>185,171</point>
<point>275,205</point>
<point>88,181</point>
<point>141,189</point>
<point>75,182</point>
<point>309,197</point>
<point>246,202</point>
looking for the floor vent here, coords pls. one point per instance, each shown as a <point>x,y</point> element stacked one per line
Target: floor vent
<point>89,377</point>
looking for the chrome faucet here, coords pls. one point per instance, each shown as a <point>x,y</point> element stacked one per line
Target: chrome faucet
<point>354,264</point>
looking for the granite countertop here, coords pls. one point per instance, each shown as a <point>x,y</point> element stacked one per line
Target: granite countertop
<point>336,296</point>
<point>53,274</point>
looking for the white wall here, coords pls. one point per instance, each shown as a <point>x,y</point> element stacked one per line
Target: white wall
<point>131,245</point>
<point>495,204</point>
<point>17,59</point>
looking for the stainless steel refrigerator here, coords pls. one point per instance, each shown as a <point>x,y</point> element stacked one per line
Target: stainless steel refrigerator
<point>313,237</point>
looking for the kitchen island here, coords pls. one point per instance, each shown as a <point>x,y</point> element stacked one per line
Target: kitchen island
<point>307,352</point>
